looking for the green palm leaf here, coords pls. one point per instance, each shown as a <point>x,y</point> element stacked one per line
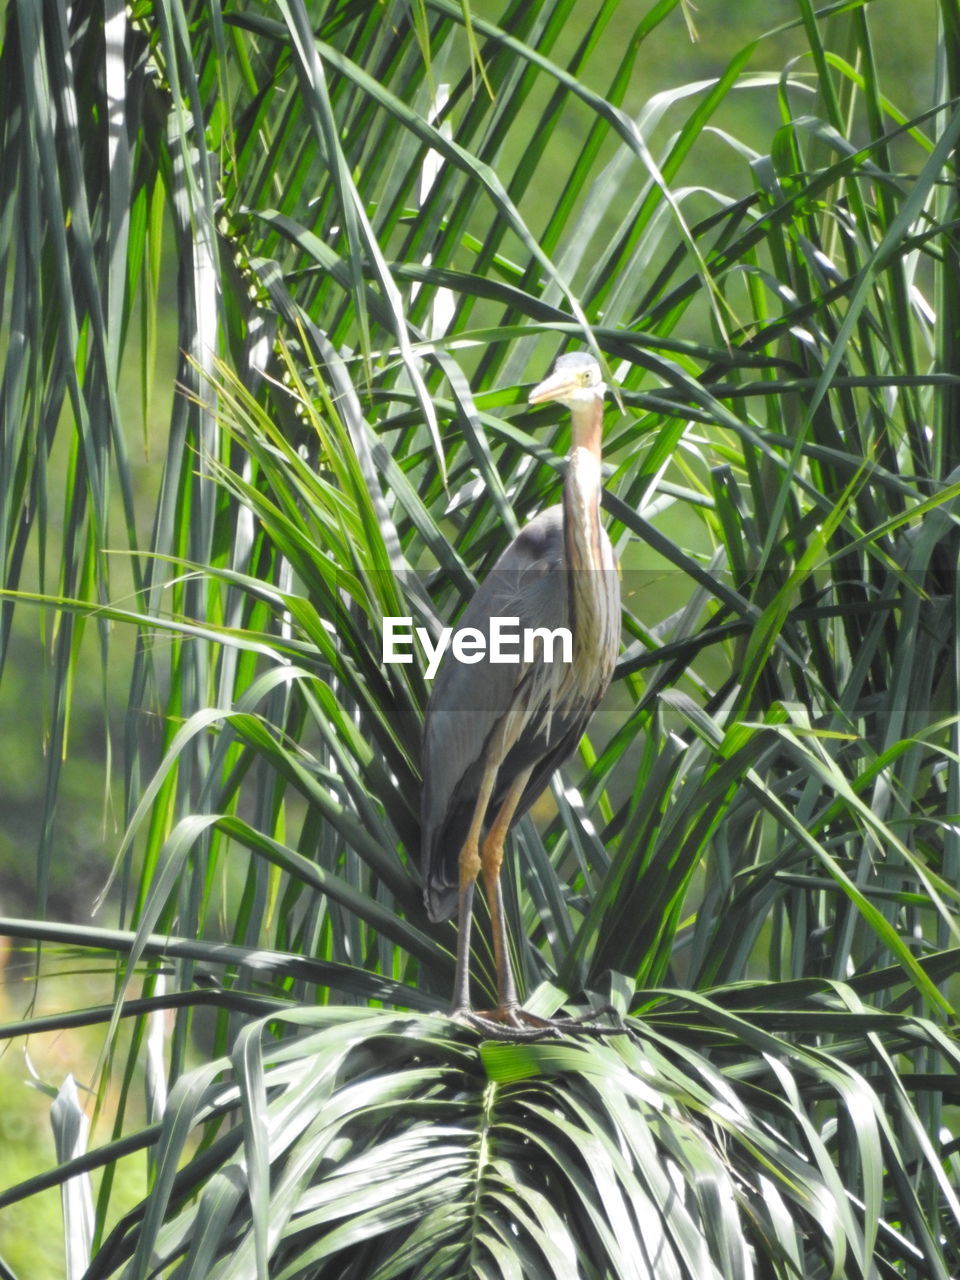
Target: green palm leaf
<point>350,234</point>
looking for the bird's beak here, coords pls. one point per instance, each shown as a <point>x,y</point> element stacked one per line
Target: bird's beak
<point>557,387</point>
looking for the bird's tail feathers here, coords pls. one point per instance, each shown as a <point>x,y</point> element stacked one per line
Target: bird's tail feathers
<point>440,899</point>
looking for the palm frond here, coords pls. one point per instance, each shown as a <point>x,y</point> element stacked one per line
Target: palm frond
<point>378,222</point>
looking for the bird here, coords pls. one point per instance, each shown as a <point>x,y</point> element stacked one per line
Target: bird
<point>494,732</point>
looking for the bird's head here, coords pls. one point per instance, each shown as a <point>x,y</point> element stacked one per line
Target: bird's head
<point>576,380</point>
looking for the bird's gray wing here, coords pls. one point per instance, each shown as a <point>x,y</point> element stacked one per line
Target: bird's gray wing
<point>468,701</point>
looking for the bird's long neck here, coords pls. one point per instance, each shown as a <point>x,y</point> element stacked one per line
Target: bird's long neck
<point>588,597</point>
<point>581,490</point>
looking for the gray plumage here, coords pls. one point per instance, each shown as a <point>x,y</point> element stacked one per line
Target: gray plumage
<point>532,582</point>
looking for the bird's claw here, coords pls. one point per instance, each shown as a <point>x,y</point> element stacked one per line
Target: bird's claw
<point>514,1024</point>
<point>494,1025</point>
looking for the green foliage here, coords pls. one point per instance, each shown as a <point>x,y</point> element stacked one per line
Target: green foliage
<point>383,223</point>
<point>380,1145</point>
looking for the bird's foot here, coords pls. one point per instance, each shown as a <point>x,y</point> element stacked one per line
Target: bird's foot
<point>514,1024</point>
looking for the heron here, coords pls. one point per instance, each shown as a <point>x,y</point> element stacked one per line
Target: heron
<point>495,731</point>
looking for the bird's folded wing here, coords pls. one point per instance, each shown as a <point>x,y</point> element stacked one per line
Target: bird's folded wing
<point>469,701</point>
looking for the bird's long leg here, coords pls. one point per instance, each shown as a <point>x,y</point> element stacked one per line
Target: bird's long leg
<point>508,1021</point>
<point>491,859</point>
<point>469,870</point>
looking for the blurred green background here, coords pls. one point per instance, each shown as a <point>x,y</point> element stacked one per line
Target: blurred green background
<point>87,828</point>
